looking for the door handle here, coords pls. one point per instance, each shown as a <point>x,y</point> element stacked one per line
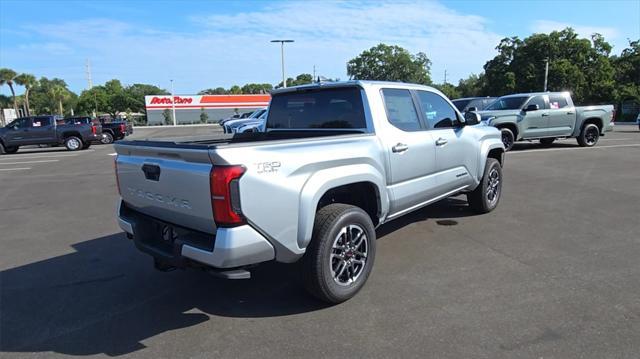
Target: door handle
<point>545,114</point>
<point>570,113</point>
<point>441,141</point>
<point>400,147</point>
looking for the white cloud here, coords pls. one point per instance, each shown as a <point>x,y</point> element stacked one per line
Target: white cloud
<point>547,26</point>
<point>222,50</point>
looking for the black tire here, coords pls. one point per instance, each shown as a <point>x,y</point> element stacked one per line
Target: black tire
<point>86,145</point>
<point>1,149</point>
<point>547,141</point>
<point>318,264</point>
<point>73,143</point>
<point>11,149</point>
<point>107,138</point>
<point>589,135</point>
<point>481,200</point>
<point>508,138</point>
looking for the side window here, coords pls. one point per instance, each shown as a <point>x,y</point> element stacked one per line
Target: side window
<point>437,111</point>
<point>22,122</point>
<point>557,101</point>
<point>41,121</point>
<point>537,100</point>
<point>401,111</point>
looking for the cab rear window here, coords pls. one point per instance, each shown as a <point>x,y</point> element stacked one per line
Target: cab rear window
<point>332,108</point>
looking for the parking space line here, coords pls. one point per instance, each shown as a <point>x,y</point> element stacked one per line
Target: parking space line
<point>22,162</point>
<point>15,169</point>
<point>14,157</point>
<point>569,149</point>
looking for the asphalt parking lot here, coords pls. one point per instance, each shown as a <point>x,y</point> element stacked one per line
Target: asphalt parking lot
<point>552,273</point>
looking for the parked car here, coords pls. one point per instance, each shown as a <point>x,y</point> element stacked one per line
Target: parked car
<point>472,103</point>
<point>254,126</point>
<point>336,160</point>
<point>253,114</point>
<point>547,116</point>
<point>257,117</point>
<point>48,130</point>
<point>115,130</point>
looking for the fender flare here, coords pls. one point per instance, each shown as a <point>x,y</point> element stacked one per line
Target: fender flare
<point>323,180</point>
<point>485,148</point>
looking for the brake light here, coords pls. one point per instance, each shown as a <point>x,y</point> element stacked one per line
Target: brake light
<point>225,195</point>
<point>93,129</point>
<point>115,169</point>
<point>123,128</point>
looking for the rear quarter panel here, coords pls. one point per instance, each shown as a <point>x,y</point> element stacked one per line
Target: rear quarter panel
<point>601,112</point>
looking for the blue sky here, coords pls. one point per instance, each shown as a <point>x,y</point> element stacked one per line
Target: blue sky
<point>203,44</point>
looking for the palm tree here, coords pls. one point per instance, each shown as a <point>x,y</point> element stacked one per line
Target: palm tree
<point>6,77</point>
<point>58,94</point>
<point>28,81</point>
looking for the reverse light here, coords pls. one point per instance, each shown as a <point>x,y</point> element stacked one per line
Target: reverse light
<point>225,195</point>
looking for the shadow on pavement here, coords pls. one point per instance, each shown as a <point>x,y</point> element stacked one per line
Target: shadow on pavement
<point>105,297</point>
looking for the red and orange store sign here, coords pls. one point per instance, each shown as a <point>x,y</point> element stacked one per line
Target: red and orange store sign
<point>162,102</point>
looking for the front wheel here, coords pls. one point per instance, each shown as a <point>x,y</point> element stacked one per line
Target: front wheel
<point>340,257</point>
<point>486,196</point>
<point>73,143</point>
<point>508,138</point>
<point>589,135</point>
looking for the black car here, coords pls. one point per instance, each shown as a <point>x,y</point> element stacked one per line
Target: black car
<point>474,103</point>
<point>115,130</point>
<point>48,130</point>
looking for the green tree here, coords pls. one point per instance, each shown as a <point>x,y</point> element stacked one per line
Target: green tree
<point>256,88</point>
<point>581,66</point>
<point>627,78</point>
<point>235,90</point>
<point>41,101</point>
<point>472,86</point>
<point>215,91</point>
<point>59,94</point>
<point>301,79</point>
<point>136,93</point>
<point>449,90</point>
<point>166,114</point>
<point>390,63</point>
<point>28,81</point>
<point>203,116</point>
<point>7,76</point>
<point>93,101</point>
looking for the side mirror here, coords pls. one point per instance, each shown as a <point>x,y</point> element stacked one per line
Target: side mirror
<point>471,118</point>
<point>532,107</point>
<point>472,109</point>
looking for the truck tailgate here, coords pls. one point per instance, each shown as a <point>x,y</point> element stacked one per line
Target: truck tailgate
<point>171,184</point>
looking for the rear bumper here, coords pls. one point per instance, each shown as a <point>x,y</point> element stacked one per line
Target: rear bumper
<point>228,248</point>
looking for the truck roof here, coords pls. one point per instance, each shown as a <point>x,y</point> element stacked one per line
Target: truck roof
<point>361,83</point>
<point>535,93</point>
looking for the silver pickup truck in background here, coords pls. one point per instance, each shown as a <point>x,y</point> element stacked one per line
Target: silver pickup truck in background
<point>336,160</point>
<point>547,116</point>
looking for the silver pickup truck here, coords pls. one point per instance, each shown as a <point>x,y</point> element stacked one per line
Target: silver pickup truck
<point>336,161</point>
<point>547,116</point>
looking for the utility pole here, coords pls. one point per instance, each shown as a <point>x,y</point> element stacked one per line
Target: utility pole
<point>445,76</point>
<point>314,74</point>
<point>546,73</point>
<point>173,104</point>
<point>88,70</point>
<point>284,80</point>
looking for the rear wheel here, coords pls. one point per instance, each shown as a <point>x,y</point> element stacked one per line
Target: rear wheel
<point>508,138</point>
<point>589,135</point>
<point>547,141</point>
<point>486,196</point>
<point>73,143</point>
<point>340,257</point>
<point>107,138</point>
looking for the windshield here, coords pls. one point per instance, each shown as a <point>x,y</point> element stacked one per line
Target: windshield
<point>257,113</point>
<point>460,104</point>
<point>507,103</point>
<point>331,108</point>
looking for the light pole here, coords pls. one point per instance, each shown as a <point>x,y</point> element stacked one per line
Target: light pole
<point>284,80</point>
<point>546,73</point>
<point>173,104</point>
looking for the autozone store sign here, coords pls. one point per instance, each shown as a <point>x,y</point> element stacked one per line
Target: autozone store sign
<point>162,102</point>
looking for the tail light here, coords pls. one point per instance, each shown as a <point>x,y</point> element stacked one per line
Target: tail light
<point>225,195</point>
<point>94,129</point>
<point>613,115</point>
<point>115,169</point>
<point>123,128</point>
